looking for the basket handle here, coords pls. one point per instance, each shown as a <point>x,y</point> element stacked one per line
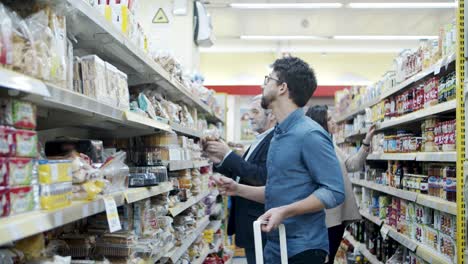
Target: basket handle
<point>258,242</point>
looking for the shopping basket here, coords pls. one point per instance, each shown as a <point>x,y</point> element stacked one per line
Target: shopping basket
<point>259,247</point>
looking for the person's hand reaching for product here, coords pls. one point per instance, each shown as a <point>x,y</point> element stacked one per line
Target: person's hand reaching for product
<point>216,150</point>
<point>368,139</point>
<point>272,218</point>
<point>226,186</point>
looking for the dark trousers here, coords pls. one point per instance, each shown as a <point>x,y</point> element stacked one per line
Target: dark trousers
<point>250,255</point>
<point>335,235</point>
<point>315,256</point>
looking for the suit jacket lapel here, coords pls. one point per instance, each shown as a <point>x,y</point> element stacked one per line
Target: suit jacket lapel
<point>261,145</point>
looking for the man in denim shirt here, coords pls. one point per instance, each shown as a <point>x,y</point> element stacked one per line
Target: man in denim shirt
<point>304,176</point>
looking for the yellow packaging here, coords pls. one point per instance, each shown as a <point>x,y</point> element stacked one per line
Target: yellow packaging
<point>108,13</point>
<point>125,14</point>
<point>54,171</point>
<point>55,201</point>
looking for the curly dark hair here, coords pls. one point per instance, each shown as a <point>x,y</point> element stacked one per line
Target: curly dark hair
<point>299,77</point>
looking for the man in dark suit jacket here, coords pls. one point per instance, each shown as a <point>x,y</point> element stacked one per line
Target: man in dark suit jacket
<point>249,169</point>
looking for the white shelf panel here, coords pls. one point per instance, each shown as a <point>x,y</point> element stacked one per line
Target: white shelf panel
<point>407,195</point>
<point>422,199</point>
<point>201,163</point>
<point>431,255</point>
<point>418,156</point>
<point>362,248</point>
<point>145,122</point>
<point>419,76</point>
<point>17,81</point>
<point>373,219</point>
<point>97,35</point>
<point>185,205</point>
<point>402,239</point>
<point>186,131</point>
<point>418,115</point>
<point>137,194</point>
<point>176,253</point>
<point>176,165</point>
<point>215,225</point>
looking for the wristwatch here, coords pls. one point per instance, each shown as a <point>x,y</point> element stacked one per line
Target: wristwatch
<point>365,144</point>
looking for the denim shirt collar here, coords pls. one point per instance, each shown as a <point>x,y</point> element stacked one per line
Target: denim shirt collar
<point>289,122</point>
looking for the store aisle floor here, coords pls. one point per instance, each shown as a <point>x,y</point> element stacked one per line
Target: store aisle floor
<point>240,261</point>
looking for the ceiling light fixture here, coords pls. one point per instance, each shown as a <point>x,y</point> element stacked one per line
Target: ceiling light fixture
<point>404,5</point>
<point>265,37</point>
<point>383,37</point>
<point>285,5</point>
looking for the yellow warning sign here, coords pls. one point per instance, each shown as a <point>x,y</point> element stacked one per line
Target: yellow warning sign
<point>160,17</point>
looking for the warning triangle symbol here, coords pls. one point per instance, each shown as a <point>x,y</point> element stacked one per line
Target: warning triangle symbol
<point>160,17</point>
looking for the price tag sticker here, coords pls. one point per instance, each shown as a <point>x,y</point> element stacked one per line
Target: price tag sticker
<point>384,231</point>
<point>112,214</point>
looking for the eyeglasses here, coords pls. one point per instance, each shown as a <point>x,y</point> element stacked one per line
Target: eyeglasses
<point>268,78</point>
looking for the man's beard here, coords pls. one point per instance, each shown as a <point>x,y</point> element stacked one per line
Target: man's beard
<point>265,103</point>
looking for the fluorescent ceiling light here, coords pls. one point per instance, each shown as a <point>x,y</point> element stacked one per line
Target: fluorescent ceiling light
<point>285,5</point>
<point>265,37</point>
<point>382,37</point>
<point>404,5</point>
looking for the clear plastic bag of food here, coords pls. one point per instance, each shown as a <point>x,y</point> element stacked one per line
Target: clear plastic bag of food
<point>6,37</point>
<point>116,172</point>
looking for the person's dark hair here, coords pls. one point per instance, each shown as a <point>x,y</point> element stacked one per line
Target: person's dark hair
<point>299,77</point>
<point>319,113</point>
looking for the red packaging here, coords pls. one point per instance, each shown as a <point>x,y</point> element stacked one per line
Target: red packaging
<point>24,114</point>
<point>26,143</point>
<point>7,143</point>
<point>4,202</point>
<point>20,171</point>
<point>4,172</point>
<point>21,199</point>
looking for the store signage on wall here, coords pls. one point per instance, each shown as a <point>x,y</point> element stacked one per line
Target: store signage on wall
<point>160,17</point>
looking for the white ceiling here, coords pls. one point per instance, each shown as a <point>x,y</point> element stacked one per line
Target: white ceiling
<point>229,24</point>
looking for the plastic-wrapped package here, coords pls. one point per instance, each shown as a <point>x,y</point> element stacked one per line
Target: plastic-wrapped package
<point>93,71</point>
<point>26,143</point>
<point>116,172</point>
<point>7,143</point>
<point>11,256</point>
<point>43,39</point>
<point>24,114</point>
<point>22,199</point>
<point>6,37</point>
<point>24,53</point>
<point>6,111</point>
<point>54,171</point>
<point>20,171</point>
<point>57,195</point>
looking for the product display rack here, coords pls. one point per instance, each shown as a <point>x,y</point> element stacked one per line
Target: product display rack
<point>27,224</point>
<point>362,248</point>
<point>60,108</point>
<point>453,107</point>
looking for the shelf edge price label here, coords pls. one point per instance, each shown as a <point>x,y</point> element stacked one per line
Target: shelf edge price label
<point>112,214</point>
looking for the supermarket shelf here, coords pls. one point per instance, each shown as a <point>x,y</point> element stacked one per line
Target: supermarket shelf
<point>421,250</point>
<point>17,81</point>
<point>422,199</point>
<point>175,165</point>
<point>185,131</point>
<point>433,70</point>
<point>373,219</point>
<point>137,194</point>
<point>23,225</point>
<point>407,195</point>
<point>201,163</point>
<point>357,135</point>
<point>418,156</point>
<point>176,253</point>
<point>362,248</point>
<point>215,225</point>
<point>357,111</point>
<point>185,205</point>
<point>418,115</point>
<point>437,203</point>
<point>96,35</point>
<point>136,119</point>
<point>402,239</point>
<point>205,252</point>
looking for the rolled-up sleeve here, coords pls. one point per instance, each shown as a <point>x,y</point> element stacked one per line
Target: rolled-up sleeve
<point>324,168</point>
